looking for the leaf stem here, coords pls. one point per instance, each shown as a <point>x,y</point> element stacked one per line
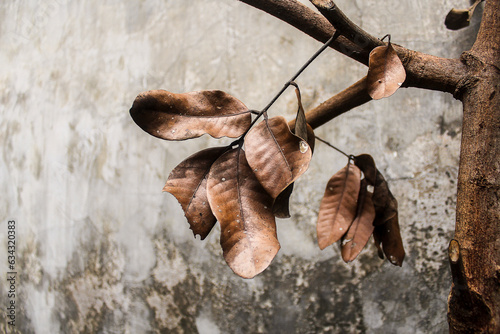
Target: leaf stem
<point>471,8</point>
<point>349,156</point>
<point>289,82</point>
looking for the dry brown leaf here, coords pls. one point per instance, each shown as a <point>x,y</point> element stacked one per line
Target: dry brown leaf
<point>392,244</point>
<point>244,211</point>
<point>188,183</point>
<point>173,116</point>
<point>311,138</point>
<point>386,72</point>
<point>276,155</point>
<point>386,205</point>
<point>460,18</point>
<point>366,163</point>
<point>281,206</point>
<point>386,234</point>
<point>338,206</point>
<point>362,227</point>
<point>377,231</point>
<point>457,19</point>
<point>300,119</point>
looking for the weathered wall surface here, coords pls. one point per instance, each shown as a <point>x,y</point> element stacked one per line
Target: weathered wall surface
<point>100,249</point>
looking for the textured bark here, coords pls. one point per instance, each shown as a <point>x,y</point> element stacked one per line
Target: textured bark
<point>474,302</point>
<point>340,21</point>
<point>423,71</point>
<point>311,23</point>
<point>478,210</point>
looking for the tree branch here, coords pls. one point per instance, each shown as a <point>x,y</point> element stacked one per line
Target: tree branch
<point>422,70</point>
<point>346,27</point>
<point>431,72</point>
<point>309,22</point>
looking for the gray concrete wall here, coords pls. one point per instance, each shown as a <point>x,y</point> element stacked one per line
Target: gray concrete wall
<point>100,249</point>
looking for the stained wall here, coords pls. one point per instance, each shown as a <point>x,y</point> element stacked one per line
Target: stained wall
<point>100,248</point>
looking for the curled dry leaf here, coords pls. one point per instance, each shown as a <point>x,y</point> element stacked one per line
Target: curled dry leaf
<point>389,236</point>
<point>338,206</point>
<point>386,73</point>
<point>366,163</point>
<point>188,183</point>
<point>173,116</point>
<point>276,155</point>
<point>457,19</point>
<point>362,227</point>
<point>311,138</point>
<point>460,18</point>
<point>243,209</point>
<point>386,234</point>
<point>386,205</point>
<point>301,129</point>
<point>378,243</point>
<point>281,206</point>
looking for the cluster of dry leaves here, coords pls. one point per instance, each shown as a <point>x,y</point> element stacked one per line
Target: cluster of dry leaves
<point>246,185</point>
<point>358,203</point>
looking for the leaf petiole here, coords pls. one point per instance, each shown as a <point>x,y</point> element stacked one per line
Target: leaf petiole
<point>349,156</point>
<point>388,36</point>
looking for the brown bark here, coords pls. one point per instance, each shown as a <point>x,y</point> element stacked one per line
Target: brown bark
<point>474,302</point>
<point>341,22</point>
<point>422,70</point>
<point>478,208</point>
<point>309,22</point>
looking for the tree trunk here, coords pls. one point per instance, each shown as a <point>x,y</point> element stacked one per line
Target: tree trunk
<point>474,301</point>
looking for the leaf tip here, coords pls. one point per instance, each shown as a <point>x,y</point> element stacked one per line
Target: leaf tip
<point>322,244</point>
<point>397,261</point>
<point>248,263</point>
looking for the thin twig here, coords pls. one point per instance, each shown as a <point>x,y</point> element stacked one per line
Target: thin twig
<point>295,76</point>
<point>287,84</point>
<point>473,7</point>
<point>349,156</point>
